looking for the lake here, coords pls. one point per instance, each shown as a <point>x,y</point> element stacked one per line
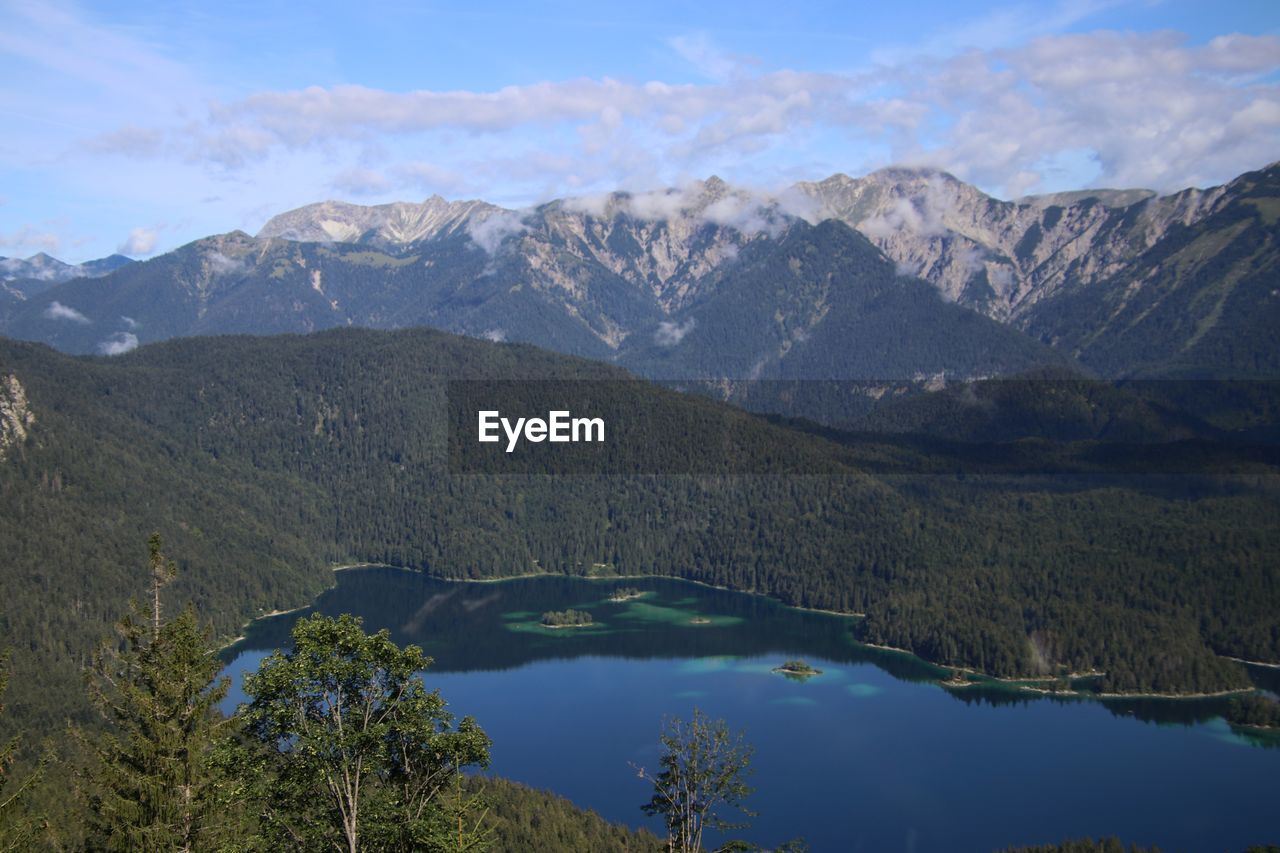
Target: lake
<point>870,755</point>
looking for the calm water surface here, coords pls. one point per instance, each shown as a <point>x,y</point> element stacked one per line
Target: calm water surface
<point>870,755</point>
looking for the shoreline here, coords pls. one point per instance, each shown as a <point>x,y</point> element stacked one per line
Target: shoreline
<point>1254,662</point>
<point>1007,683</point>
<point>245,626</point>
<point>1173,696</point>
<point>1266,730</point>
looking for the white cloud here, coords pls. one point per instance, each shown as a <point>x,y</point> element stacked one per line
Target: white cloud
<point>698,50</point>
<point>30,238</point>
<point>1003,26</point>
<point>429,176</point>
<point>972,259</point>
<point>119,343</point>
<point>919,215</point>
<point>1151,108</point>
<point>12,268</point>
<point>220,264</point>
<point>495,335</point>
<point>750,212</point>
<point>358,181</point>
<point>488,233</point>
<point>597,204</point>
<point>135,110</point>
<point>61,39</point>
<point>801,205</point>
<point>141,241</point>
<point>128,141</point>
<point>669,334</point>
<point>58,311</point>
<point>659,204</point>
<point>1001,277</point>
<point>131,323</point>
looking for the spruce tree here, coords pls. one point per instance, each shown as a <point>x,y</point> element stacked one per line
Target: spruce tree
<point>150,786</point>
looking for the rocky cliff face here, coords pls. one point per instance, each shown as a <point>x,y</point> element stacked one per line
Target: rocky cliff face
<point>16,417</point>
<point>615,275</point>
<point>1002,257</point>
<point>398,223</point>
<point>999,257</point>
<point>663,243</point>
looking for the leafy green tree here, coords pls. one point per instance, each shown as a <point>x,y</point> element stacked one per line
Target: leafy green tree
<point>703,774</point>
<point>357,753</point>
<point>149,785</point>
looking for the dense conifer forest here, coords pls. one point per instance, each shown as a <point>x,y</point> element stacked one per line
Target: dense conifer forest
<point>265,461</point>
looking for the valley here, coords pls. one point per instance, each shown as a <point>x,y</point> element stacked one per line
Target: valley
<point>303,451</point>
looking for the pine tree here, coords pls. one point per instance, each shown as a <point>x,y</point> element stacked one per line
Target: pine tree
<point>150,786</point>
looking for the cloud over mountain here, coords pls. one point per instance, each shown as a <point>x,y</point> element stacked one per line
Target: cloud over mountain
<point>58,311</point>
<point>1148,109</point>
<point>1022,98</point>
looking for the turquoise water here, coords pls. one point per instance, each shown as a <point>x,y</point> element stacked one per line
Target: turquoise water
<point>870,755</point>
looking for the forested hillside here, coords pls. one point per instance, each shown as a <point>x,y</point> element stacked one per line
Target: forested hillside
<point>264,460</point>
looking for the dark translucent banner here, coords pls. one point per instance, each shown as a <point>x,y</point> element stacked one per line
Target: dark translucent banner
<point>1023,426</point>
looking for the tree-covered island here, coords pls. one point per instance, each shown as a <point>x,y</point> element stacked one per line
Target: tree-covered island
<point>797,669</point>
<point>1254,711</point>
<point>566,619</point>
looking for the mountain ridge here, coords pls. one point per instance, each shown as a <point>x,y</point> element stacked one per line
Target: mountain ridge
<point>636,277</point>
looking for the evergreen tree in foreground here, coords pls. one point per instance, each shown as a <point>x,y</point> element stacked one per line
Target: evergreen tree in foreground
<point>149,785</point>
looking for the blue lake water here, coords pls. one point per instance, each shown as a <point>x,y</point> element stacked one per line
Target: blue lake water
<point>870,755</point>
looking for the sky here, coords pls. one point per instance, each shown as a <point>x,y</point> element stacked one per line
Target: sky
<point>138,127</point>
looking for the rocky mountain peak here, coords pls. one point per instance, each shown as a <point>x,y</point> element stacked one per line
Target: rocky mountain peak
<point>395,223</point>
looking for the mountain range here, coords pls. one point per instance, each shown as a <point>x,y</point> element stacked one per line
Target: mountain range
<point>23,278</point>
<point>902,275</point>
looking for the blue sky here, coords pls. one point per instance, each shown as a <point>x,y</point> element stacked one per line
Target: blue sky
<point>136,128</point>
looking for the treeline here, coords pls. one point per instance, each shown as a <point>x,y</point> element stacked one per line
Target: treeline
<point>1114,845</point>
<point>524,818</point>
<point>1086,845</point>
<point>269,459</point>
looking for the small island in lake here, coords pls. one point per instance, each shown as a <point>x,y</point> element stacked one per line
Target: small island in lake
<point>566,619</point>
<point>1254,711</point>
<point>625,593</point>
<point>797,669</point>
